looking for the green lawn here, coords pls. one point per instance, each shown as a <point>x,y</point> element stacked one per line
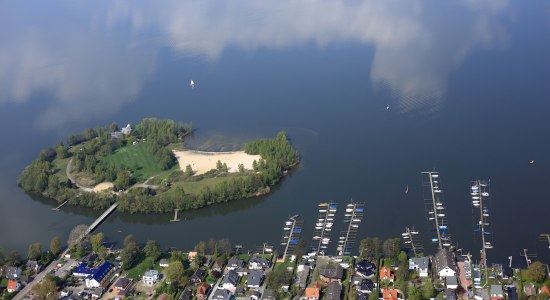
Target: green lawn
<point>61,168</point>
<point>136,272</point>
<point>137,158</point>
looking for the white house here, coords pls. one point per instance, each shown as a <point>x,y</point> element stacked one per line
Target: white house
<point>99,276</point>
<point>421,264</point>
<point>126,130</point>
<point>150,277</point>
<point>444,264</point>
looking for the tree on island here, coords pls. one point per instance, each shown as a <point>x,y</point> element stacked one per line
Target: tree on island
<point>35,251</point>
<point>189,170</point>
<point>55,245</point>
<point>219,165</point>
<point>241,168</point>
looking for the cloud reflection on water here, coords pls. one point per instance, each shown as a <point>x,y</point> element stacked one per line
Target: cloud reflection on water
<point>91,68</point>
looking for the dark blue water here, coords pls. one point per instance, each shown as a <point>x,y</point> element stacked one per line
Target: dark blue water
<point>467,84</point>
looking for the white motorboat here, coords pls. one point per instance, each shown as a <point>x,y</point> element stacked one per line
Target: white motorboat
<point>440,215</point>
<point>318,227</point>
<point>288,223</point>
<point>323,210</point>
<point>354,225</point>
<point>435,175</point>
<point>319,224</point>
<point>286,228</point>
<point>475,197</point>
<point>192,84</point>
<point>414,232</point>
<point>447,244</point>
<point>485,194</point>
<point>437,191</point>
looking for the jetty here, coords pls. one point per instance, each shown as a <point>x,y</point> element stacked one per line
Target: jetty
<point>175,219</point>
<point>100,219</point>
<point>60,205</point>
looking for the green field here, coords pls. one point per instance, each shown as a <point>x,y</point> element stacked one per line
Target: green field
<point>137,158</point>
<point>61,168</point>
<point>137,271</point>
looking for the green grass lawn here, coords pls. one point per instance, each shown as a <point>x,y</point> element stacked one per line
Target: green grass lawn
<point>61,168</point>
<point>136,272</point>
<point>137,158</point>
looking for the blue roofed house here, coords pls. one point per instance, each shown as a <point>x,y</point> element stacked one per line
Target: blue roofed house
<point>365,268</point>
<point>82,270</point>
<point>100,276</point>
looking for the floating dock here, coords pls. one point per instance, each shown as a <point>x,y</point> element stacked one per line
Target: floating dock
<point>323,228</point>
<point>353,216</point>
<point>291,235</point>
<point>435,209</point>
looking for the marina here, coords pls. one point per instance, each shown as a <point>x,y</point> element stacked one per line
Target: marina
<point>292,231</point>
<point>352,219</point>
<point>323,228</point>
<point>435,210</point>
<point>411,240</point>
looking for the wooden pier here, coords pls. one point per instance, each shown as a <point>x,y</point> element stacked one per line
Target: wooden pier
<point>60,205</point>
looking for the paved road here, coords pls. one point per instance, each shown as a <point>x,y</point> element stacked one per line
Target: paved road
<point>22,293</point>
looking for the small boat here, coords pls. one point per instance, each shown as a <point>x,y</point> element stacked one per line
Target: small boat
<point>414,232</point>
<point>435,181</point>
<point>286,228</point>
<point>349,209</point>
<point>333,210</point>
<point>407,190</point>
<point>475,197</point>
<point>330,215</point>
<point>323,210</point>
<point>387,107</point>
<point>485,194</point>
<point>404,234</point>
<point>356,220</point>
<point>439,207</point>
<point>474,193</point>
<point>488,246</point>
<point>359,209</point>
<point>326,240</point>
<point>192,84</point>
<point>435,175</point>
<point>332,207</point>
<point>407,242</point>
<point>440,215</point>
<point>318,227</point>
<point>487,232</point>
<point>323,204</point>
<point>328,229</point>
<point>319,224</point>
<point>316,237</point>
<point>476,204</point>
<point>288,223</point>
<point>437,191</point>
<point>431,218</point>
<point>443,227</point>
<point>435,240</point>
<point>330,219</point>
<point>328,225</point>
<point>438,203</point>
<point>354,225</point>
<point>485,215</point>
<point>447,244</point>
<point>431,212</point>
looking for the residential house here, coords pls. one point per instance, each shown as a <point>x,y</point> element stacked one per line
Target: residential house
<point>386,273</point>
<point>164,263</point>
<point>235,263</point>
<point>421,264</point>
<point>302,273</point>
<point>496,292</point>
<point>451,282</point>
<point>122,284</point>
<point>444,264</point>
<point>450,294</point>
<point>198,276</point>
<point>13,286</point>
<point>187,294</point>
<point>221,294</point>
<point>390,294</point>
<point>191,256</point>
<point>313,292</point>
<point>150,277</point>
<point>334,290</point>
<point>332,272</point>
<point>202,291</point>
<point>365,268</point>
<point>255,279</point>
<point>230,280</point>
<point>366,286</point>
<point>218,265</point>
<point>33,265</point>
<point>100,276</point>
<point>127,130</point>
<point>241,271</point>
<point>258,263</point>
<point>13,273</point>
<point>96,293</point>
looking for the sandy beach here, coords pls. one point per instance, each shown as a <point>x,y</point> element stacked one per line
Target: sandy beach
<point>202,162</point>
<point>102,186</point>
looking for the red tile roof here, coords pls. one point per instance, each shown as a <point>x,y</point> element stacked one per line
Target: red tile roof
<point>386,273</point>
<point>388,294</point>
<point>12,285</point>
<point>312,292</point>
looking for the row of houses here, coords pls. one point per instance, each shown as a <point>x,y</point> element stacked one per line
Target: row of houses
<point>15,275</point>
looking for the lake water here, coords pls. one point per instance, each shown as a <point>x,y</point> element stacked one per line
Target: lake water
<point>467,84</point>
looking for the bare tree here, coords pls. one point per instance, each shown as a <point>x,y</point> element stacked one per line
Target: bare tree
<point>77,234</point>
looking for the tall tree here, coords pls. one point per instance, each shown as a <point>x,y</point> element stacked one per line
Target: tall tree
<point>152,249</point>
<point>13,258</point>
<point>200,247</point>
<point>391,248</point>
<point>55,245</point>
<point>45,289</point>
<point>189,170</point>
<point>129,239</point>
<point>537,271</point>
<point>224,247</point>
<point>211,247</point>
<point>97,244</point>
<point>77,234</point>
<point>174,272</point>
<point>129,255</point>
<point>35,251</point>
<point>428,290</point>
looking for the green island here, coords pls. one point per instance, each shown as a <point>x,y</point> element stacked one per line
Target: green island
<point>147,169</point>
